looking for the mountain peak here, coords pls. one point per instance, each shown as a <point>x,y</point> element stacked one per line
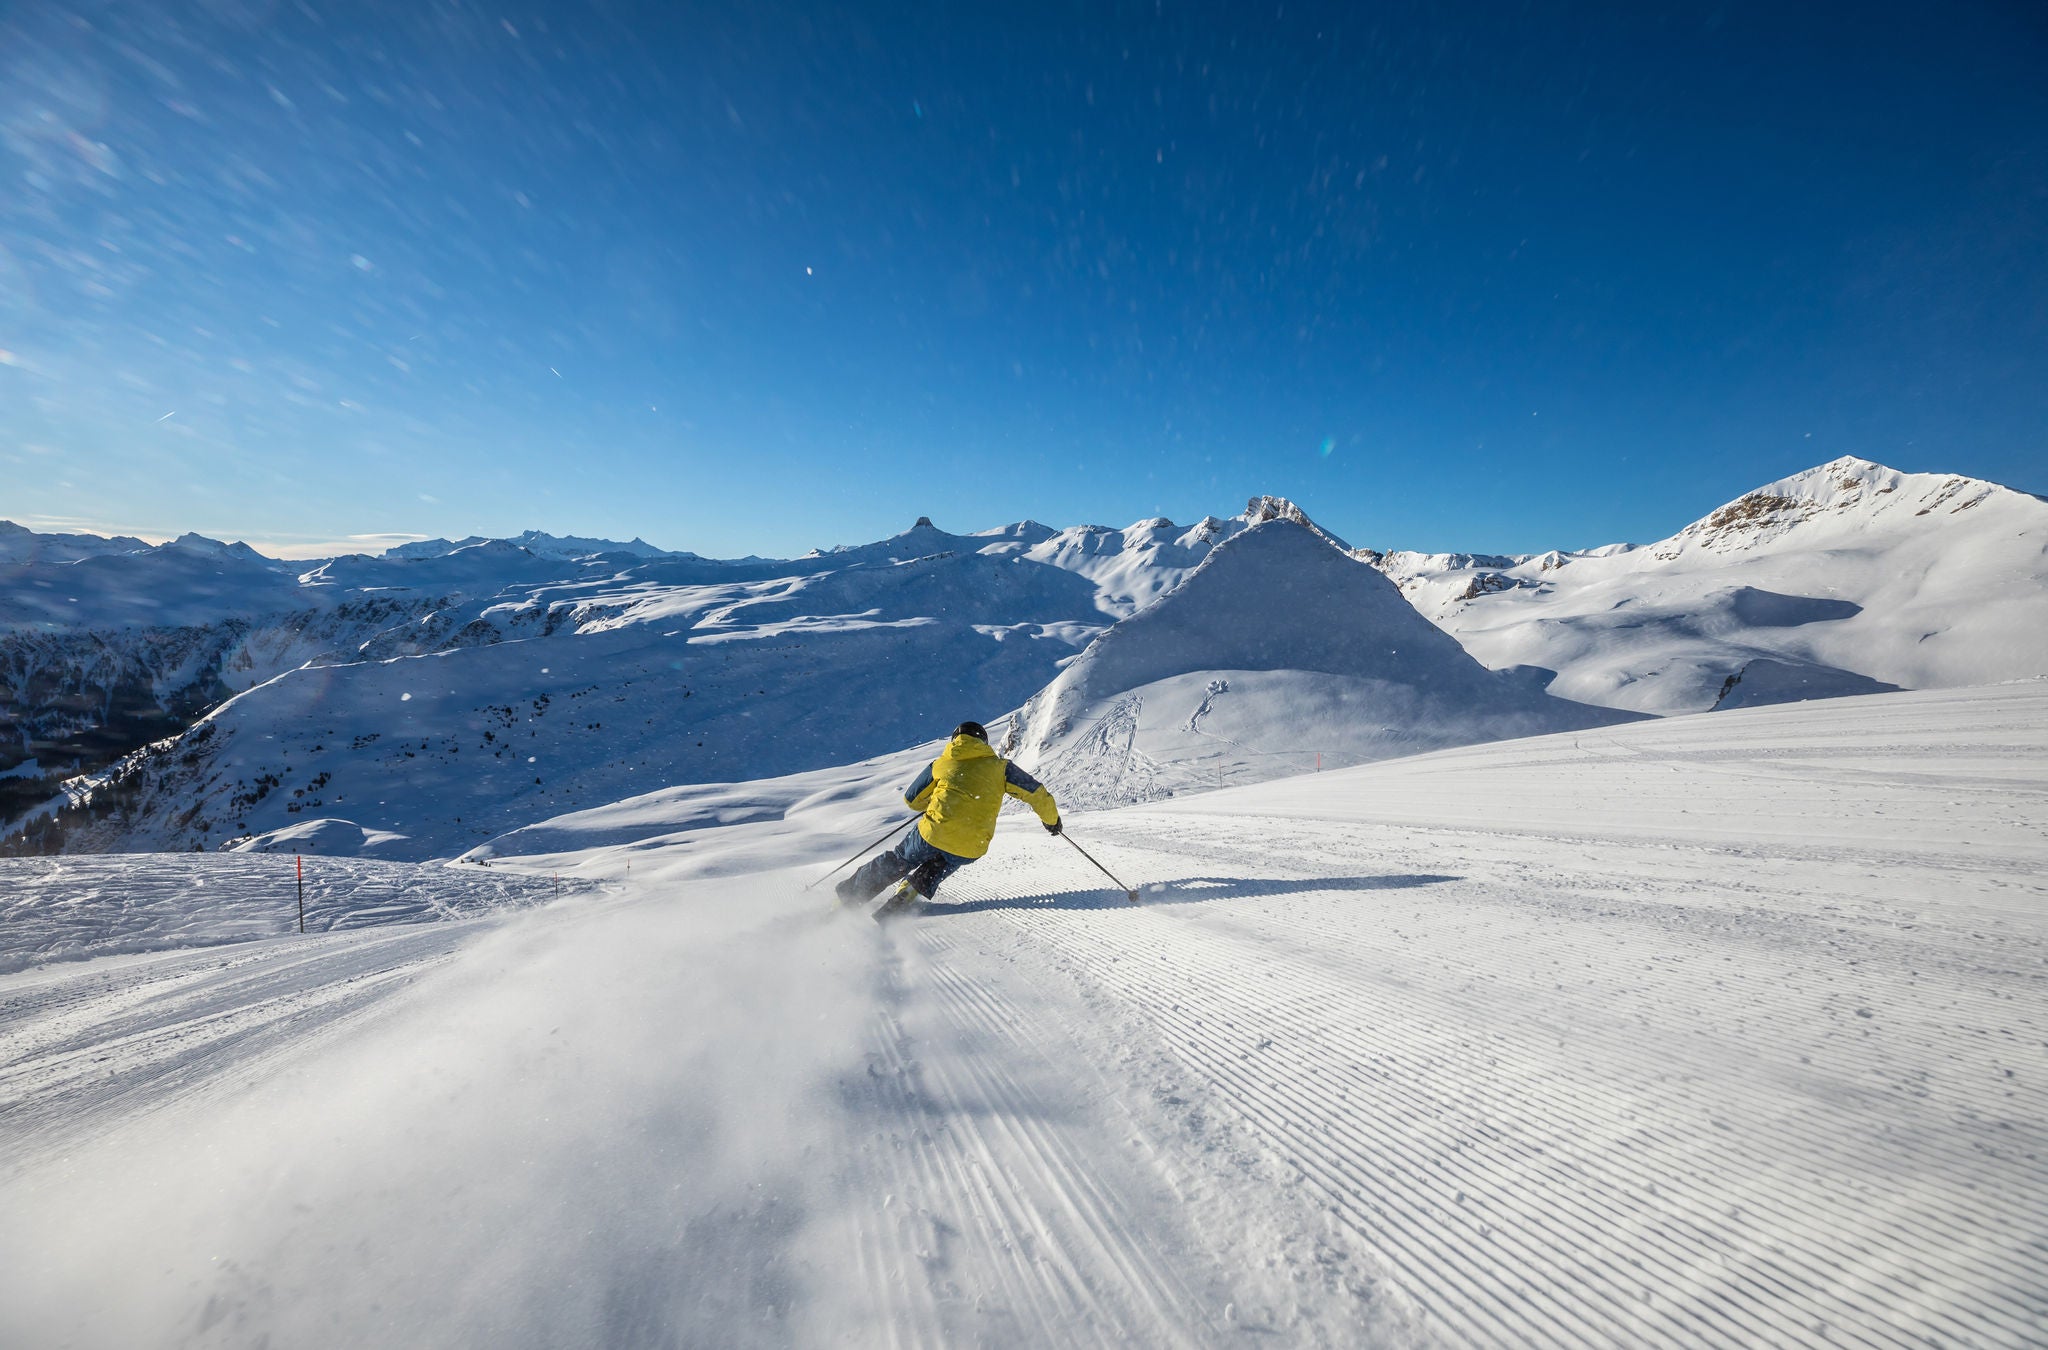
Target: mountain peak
<point>194,542</point>
<point>1261,509</point>
<point>1844,474</point>
<point>1848,490</point>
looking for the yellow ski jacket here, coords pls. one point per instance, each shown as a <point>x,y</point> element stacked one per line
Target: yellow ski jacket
<point>961,791</point>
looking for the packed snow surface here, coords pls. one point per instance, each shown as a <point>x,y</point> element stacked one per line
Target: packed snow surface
<point>1713,1030</point>
<point>78,908</point>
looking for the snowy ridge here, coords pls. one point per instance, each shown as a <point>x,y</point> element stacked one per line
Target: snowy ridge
<point>1848,578</point>
<point>722,829</point>
<point>560,547</point>
<point>21,546</point>
<point>1280,653</point>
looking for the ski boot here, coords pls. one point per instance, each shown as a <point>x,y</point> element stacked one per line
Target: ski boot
<point>845,897</point>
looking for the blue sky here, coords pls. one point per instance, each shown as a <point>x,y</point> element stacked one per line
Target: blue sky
<point>758,278</point>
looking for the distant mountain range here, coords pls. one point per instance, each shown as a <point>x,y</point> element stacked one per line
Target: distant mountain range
<point>419,703</point>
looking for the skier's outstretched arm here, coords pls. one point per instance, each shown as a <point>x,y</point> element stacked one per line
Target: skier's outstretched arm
<point>919,794</point>
<point>1033,794</point>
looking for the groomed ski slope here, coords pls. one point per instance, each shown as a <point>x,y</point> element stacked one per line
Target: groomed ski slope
<point>1722,1030</point>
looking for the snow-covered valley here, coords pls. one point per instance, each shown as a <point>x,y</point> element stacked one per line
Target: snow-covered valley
<point>1723,1029</point>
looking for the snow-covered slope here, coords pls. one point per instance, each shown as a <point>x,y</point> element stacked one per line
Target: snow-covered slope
<point>725,829</point>
<point>1848,578</point>
<point>1719,1030</point>
<point>77,700</point>
<point>77,909</point>
<point>1280,653</point>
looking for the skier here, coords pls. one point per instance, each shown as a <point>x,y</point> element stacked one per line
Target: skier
<point>959,793</point>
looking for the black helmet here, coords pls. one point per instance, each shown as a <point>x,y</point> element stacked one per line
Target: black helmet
<point>974,729</point>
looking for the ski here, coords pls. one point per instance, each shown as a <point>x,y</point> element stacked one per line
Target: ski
<point>904,903</point>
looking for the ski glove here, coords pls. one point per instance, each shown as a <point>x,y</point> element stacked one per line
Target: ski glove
<point>1055,828</point>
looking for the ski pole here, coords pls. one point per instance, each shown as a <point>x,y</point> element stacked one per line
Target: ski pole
<point>865,849</point>
<point>1129,894</point>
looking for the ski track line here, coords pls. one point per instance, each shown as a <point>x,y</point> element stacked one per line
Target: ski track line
<point>1342,1200</point>
<point>1898,1069</point>
<point>1866,1220</point>
<point>1761,1299</point>
<point>1092,1208</point>
<point>1530,1166</point>
<point>1131,1288</point>
<point>184,1029</point>
<point>999,1192</point>
<point>90,1008</point>
<point>939,1176</point>
<point>1252,1092</point>
<point>1252,1095</point>
<point>1383,1315</point>
<point>1960,1236</point>
<point>891,1256</point>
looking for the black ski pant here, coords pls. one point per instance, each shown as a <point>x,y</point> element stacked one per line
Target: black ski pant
<point>913,858</point>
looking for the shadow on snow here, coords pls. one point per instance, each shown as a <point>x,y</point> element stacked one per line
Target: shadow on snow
<point>1183,891</point>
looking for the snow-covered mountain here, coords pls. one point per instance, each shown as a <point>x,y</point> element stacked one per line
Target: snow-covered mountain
<point>1848,578</point>
<point>1279,654</point>
<point>20,545</point>
<point>502,686</point>
<point>53,583</point>
<point>76,700</point>
<point>1135,566</point>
